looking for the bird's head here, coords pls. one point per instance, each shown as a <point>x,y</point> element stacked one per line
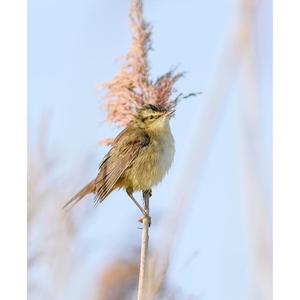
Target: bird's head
<point>153,116</point>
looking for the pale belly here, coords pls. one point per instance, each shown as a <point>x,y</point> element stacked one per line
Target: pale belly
<point>152,163</point>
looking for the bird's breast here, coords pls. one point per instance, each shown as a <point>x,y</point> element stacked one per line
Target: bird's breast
<point>153,161</point>
<point>165,144</point>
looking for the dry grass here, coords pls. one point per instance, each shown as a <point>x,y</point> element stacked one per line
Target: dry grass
<point>118,280</point>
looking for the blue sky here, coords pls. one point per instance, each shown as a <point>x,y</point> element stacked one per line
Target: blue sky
<point>72,48</point>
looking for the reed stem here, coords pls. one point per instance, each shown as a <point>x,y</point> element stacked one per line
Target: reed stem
<point>144,250</point>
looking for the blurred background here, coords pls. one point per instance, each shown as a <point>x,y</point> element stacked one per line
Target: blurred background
<point>212,215</point>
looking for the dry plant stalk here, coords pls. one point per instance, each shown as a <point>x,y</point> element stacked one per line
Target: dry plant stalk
<point>144,251</point>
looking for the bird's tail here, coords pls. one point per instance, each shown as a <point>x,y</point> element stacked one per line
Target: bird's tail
<point>89,188</point>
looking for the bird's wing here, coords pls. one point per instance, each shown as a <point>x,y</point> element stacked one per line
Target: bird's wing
<point>124,150</point>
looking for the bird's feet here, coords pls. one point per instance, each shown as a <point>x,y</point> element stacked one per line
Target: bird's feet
<point>147,217</point>
<point>147,193</point>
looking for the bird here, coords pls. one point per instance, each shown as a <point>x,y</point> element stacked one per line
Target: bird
<point>139,157</point>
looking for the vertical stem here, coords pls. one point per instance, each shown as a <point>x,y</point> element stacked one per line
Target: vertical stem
<point>144,250</point>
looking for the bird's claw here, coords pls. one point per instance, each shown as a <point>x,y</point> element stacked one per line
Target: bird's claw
<point>147,193</point>
<point>141,219</point>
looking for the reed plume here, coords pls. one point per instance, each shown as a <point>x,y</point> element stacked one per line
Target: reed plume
<point>132,86</point>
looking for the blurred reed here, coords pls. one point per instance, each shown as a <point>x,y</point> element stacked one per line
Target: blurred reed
<point>51,233</point>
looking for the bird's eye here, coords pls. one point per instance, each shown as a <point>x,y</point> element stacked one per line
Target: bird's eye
<point>151,117</point>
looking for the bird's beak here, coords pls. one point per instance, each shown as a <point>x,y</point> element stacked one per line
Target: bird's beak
<point>170,113</point>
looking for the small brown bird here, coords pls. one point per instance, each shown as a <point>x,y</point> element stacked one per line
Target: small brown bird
<point>139,157</point>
